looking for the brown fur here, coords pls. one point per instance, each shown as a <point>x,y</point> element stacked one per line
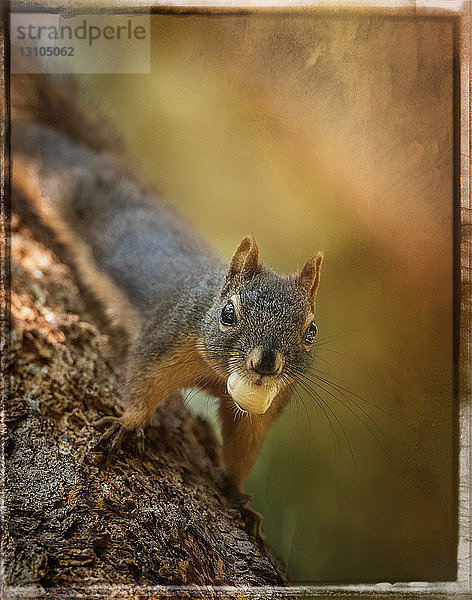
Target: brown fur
<point>309,277</point>
<point>181,366</point>
<point>244,263</point>
<point>244,435</point>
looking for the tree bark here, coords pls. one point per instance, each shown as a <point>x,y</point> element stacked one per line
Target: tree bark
<point>74,520</point>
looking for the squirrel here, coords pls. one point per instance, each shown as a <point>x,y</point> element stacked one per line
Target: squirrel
<point>240,331</point>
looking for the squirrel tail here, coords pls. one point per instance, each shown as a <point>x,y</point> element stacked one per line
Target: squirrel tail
<point>64,176</point>
<point>53,101</point>
<point>127,246</point>
<point>126,243</point>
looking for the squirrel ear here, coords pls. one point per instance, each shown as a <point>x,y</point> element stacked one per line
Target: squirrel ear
<point>309,278</point>
<point>244,264</point>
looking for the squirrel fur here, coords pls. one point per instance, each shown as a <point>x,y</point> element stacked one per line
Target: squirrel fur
<point>193,320</point>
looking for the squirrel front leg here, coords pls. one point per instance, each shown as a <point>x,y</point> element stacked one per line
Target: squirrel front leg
<point>243,437</point>
<point>150,384</point>
<point>150,381</point>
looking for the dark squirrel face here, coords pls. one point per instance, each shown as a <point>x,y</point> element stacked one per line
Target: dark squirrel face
<point>261,333</point>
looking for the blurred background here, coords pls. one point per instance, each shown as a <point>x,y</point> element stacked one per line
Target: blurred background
<point>327,131</point>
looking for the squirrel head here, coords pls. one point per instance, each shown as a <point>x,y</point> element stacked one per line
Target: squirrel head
<point>259,333</point>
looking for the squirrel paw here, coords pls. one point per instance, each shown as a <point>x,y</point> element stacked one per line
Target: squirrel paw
<point>240,500</point>
<point>252,521</point>
<point>115,433</point>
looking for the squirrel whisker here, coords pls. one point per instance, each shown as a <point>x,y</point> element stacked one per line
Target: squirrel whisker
<point>312,392</point>
<point>350,409</point>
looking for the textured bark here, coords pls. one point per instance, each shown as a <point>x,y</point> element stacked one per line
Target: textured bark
<point>72,518</point>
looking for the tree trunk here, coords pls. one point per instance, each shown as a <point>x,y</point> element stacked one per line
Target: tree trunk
<point>72,518</point>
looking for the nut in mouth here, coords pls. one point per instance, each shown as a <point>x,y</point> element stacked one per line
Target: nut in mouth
<point>250,396</point>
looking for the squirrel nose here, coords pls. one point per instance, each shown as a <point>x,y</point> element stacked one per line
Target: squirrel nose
<point>266,362</point>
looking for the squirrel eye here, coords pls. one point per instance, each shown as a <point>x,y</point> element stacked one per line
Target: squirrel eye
<point>309,336</point>
<point>228,315</point>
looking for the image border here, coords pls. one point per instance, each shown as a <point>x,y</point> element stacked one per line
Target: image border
<point>461,13</point>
